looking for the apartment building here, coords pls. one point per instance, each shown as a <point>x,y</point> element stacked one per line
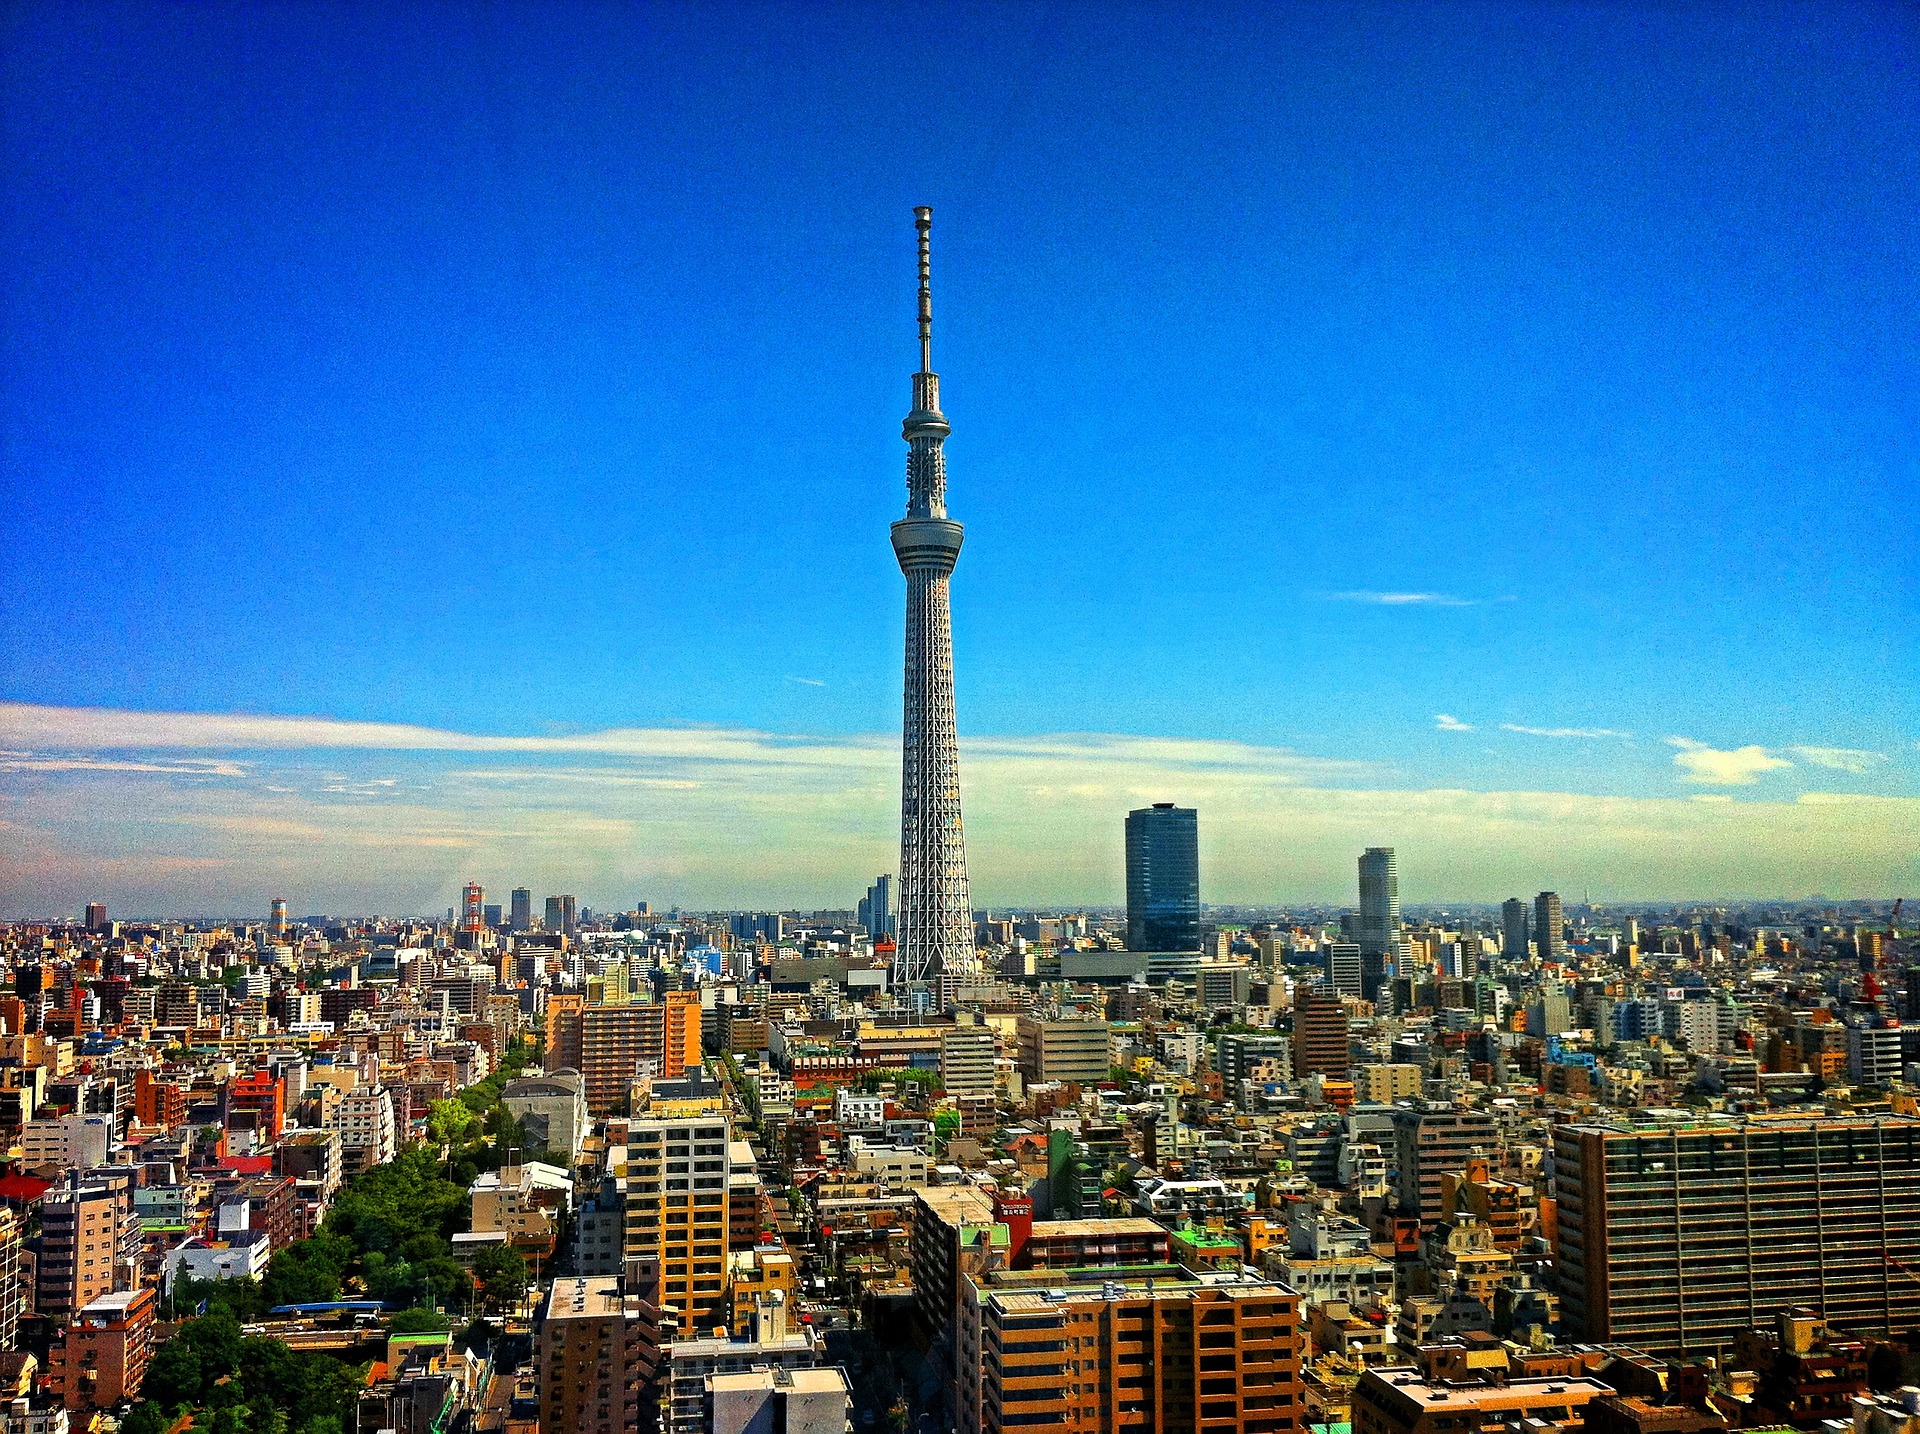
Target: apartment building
<point>598,1349</point>
<point>13,1281</point>
<point>797,1401</point>
<point>67,1142</point>
<point>1320,1044</point>
<point>1407,1401</point>
<point>89,1246</point>
<point>99,1358</point>
<point>363,1119</point>
<point>620,1044</point>
<point>552,1111</point>
<point>1059,1051</point>
<point>1215,1352</point>
<point>677,1214</point>
<point>1384,1083</point>
<point>690,1365</point>
<point>1434,1139</point>
<point>967,1061</point>
<point>565,1011</point>
<point>1677,1237</point>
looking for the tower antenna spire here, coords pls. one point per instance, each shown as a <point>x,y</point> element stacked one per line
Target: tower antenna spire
<point>934,918</point>
<point>923,221</point>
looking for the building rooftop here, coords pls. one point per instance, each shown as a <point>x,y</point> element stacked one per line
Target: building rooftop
<point>957,1204</point>
<point>1128,1225</point>
<point>585,1298</point>
<point>1480,1394</point>
<point>1150,1282</point>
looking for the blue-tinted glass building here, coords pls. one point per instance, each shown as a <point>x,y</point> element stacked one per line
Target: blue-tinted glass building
<point>1163,878</point>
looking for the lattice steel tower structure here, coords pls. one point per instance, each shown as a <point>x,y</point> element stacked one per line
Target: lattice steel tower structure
<point>934,918</point>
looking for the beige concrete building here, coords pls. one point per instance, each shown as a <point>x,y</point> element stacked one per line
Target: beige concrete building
<point>597,1353</point>
<point>1064,1051</point>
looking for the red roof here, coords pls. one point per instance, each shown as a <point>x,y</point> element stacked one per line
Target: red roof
<point>22,1189</point>
<point>248,1164</point>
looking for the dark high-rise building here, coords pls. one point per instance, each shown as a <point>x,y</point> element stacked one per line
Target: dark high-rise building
<point>1434,1139</point>
<point>1513,929</point>
<point>96,916</point>
<point>876,907</point>
<point>562,916</point>
<point>1379,925</point>
<point>1163,878</point>
<point>1320,1044</point>
<point>1676,1238</point>
<point>1549,927</point>
<point>522,909</point>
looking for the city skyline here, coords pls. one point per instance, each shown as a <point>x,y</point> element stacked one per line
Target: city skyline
<point>325,439</point>
<point>214,812</point>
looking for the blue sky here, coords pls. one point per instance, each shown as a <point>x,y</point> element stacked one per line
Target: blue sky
<point>515,372</point>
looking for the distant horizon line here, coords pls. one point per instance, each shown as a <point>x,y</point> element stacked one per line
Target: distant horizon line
<point>1000,910</point>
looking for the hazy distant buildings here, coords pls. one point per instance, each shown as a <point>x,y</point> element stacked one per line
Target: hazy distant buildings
<point>1549,927</point>
<point>520,917</point>
<point>562,916</point>
<point>1345,969</point>
<point>876,908</point>
<point>1163,878</point>
<point>1379,901</point>
<point>1513,929</point>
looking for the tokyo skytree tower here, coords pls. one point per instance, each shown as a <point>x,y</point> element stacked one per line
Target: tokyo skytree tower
<point>934,926</point>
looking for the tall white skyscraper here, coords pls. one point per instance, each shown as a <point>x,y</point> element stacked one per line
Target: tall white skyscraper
<point>934,921</point>
<point>1379,928</point>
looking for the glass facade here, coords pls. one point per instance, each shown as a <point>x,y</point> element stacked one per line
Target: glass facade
<point>1163,878</point>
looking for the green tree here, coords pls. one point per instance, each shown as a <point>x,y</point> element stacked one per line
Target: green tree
<point>502,1272</point>
<point>146,1417</point>
<point>450,1122</point>
<point>419,1321</point>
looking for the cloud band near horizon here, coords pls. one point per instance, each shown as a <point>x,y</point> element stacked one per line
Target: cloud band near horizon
<point>206,812</point>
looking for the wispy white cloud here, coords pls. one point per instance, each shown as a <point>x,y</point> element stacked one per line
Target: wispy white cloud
<point>1715,767</point>
<point>188,767</point>
<point>807,681</point>
<point>1840,759</point>
<point>1447,723</point>
<point>89,729</point>
<point>1593,732</point>
<point>1380,599</point>
<point>708,817</point>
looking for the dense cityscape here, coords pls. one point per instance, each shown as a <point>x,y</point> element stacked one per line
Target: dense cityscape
<point>536,1166</point>
<point>1456,450</point>
<point>913,1165</point>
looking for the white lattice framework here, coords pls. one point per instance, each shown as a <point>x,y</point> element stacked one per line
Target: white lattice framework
<point>934,924</point>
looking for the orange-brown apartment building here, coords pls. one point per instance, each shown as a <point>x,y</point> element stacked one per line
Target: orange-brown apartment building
<point>1175,1352</point>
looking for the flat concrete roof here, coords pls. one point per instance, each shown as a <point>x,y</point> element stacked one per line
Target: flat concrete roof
<point>1126,1225</point>
<point>589,1297</point>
